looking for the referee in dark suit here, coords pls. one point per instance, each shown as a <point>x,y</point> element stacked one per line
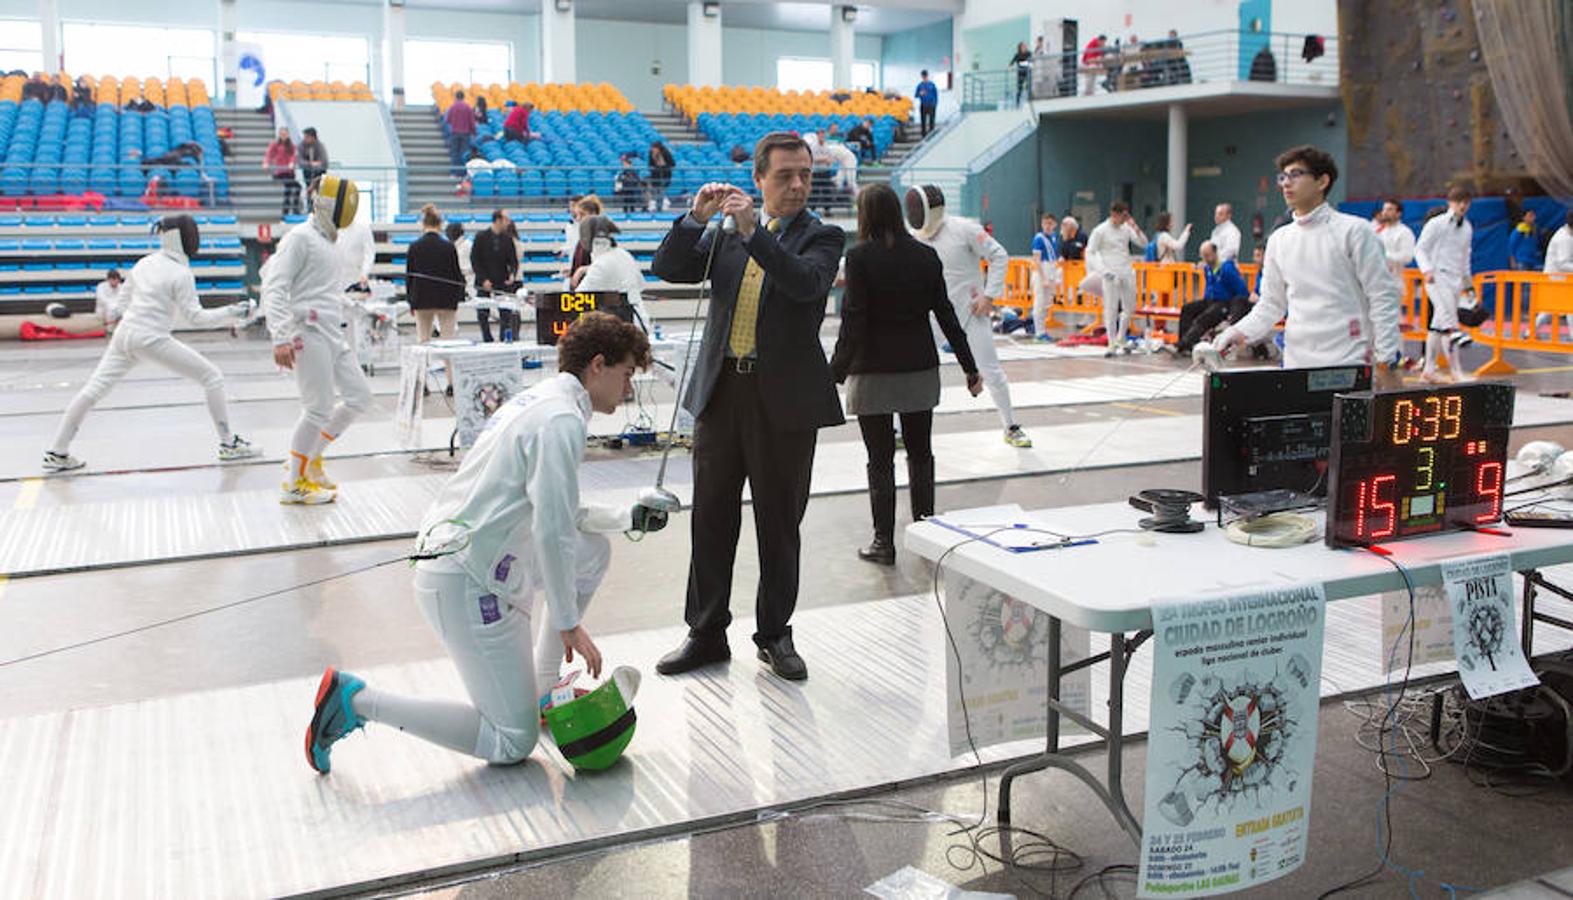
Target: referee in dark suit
<point>760,390</point>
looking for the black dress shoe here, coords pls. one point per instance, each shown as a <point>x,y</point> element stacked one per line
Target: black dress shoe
<point>693,653</point>
<point>881,551</point>
<point>783,659</point>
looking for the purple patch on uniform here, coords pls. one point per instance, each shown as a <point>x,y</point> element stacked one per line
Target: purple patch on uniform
<point>504,566</point>
<point>489,611</point>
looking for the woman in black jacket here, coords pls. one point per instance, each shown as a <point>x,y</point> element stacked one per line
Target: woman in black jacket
<point>885,354</point>
<point>432,280</point>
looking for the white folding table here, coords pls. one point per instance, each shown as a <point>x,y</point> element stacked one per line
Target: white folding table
<point>1110,586</point>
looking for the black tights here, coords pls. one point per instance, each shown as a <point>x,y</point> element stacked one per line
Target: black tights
<point>879,437</point>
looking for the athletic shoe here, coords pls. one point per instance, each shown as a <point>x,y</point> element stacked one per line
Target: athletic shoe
<point>61,462</point>
<point>333,717</point>
<point>1111,352</point>
<point>305,492</point>
<point>318,476</point>
<point>1015,437</point>
<point>237,448</point>
<point>1461,339</point>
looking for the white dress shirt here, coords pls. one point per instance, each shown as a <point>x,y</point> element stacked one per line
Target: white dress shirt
<point>1326,270</point>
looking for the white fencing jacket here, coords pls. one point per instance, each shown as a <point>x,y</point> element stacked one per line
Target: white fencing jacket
<point>1398,245</point>
<point>302,284</point>
<point>1226,239</point>
<point>1443,249</point>
<point>615,269</point>
<point>516,499</point>
<point>1326,270</point>
<point>356,250</point>
<point>1109,248</point>
<point>107,302</point>
<point>162,294</point>
<point>960,243</point>
<point>1559,253</point>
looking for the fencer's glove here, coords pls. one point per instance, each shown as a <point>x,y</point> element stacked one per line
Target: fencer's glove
<point>647,519</point>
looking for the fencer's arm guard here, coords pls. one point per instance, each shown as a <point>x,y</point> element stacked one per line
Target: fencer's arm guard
<point>190,307</point>
<point>277,277</point>
<point>803,277</point>
<point>1273,300</point>
<point>1364,249</point>
<point>683,252</point>
<point>596,518</point>
<point>554,492</point>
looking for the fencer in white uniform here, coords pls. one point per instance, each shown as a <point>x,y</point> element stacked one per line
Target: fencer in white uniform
<point>1559,259</point>
<point>162,293</point>
<point>1398,242</point>
<point>508,525</point>
<point>611,267</point>
<point>303,299</point>
<point>1109,254</point>
<point>109,298</point>
<point>1442,254</point>
<point>1327,272</point>
<point>356,250</point>
<point>962,244</point>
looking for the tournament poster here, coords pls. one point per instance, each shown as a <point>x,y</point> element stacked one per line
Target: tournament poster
<point>410,402</point>
<point>1004,648</point>
<point>482,383</point>
<point>1232,741</point>
<point>1490,659</point>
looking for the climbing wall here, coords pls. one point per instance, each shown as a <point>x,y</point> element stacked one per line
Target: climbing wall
<point>1418,99</point>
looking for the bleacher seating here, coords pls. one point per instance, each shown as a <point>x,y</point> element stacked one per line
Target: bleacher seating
<point>741,115</point>
<point>584,131</point>
<point>52,150</point>
<point>49,258</point>
<point>320,90</point>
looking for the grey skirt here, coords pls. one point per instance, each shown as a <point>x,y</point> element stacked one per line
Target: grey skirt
<point>877,393</point>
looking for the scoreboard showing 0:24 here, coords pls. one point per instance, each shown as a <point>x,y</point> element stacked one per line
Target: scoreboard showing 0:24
<point>1411,463</point>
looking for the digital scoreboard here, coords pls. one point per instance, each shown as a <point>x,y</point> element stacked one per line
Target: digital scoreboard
<point>1412,463</point>
<point>557,310</point>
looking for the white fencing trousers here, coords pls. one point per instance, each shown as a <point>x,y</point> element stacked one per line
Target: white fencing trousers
<point>325,369</point>
<point>980,338</point>
<point>1119,304</point>
<point>1043,290</point>
<point>1443,295</point>
<point>489,640</point>
<point>130,346</point>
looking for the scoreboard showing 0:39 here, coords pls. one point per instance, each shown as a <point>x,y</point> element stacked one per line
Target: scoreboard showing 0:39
<point>1412,463</point>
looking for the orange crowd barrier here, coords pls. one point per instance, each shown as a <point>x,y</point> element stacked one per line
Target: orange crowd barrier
<point>1520,298</point>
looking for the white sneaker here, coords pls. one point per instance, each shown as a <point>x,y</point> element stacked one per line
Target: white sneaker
<point>61,462</point>
<point>303,492</point>
<point>1015,437</point>
<point>237,448</point>
<point>318,475</point>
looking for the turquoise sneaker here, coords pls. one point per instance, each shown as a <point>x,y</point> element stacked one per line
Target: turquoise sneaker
<point>333,718</point>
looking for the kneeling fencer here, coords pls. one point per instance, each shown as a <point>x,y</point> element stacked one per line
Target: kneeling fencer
<point>162,293</point>
<point>507,524</point>
<point>961,245</point>
<point>303,298</point>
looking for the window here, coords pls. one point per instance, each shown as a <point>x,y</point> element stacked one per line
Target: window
<point>798,74</point>
<point>21,45</point>
<point>140,51</point>
<point>464,62</point>
<point>290,56</point>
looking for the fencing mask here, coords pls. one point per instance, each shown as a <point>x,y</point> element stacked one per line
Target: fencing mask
<point>179,235</point>
<point>335,205</point>
<point>925,207</point>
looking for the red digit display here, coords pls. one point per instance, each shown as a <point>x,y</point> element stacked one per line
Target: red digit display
<point>1488,490</point>
<point>1410,463</point>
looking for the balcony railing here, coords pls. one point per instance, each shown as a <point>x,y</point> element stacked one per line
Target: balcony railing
<point>1205,57</point>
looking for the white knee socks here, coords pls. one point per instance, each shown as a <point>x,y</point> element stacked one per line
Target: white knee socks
<point>442,722</point>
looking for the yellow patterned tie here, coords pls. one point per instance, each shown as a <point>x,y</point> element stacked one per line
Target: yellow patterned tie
<point>745,318</point>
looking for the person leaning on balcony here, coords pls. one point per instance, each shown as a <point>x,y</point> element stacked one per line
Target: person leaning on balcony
<point>1092,63</point>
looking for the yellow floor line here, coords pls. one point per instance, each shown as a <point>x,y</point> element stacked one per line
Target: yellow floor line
<point>1147,409</point>
<point>1545,370</point>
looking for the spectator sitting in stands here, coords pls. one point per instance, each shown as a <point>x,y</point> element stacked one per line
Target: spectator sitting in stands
<point>82,98</point>
<point>57,91</point>
<point>482,115</point>
<point>629,186</point>
<point>186,154</point>
<point>516,127</point>
<point>36,88</point>
<point>862,134</point>
<point>140,104</point>
<point>740,154</point>
<point>312,156</point>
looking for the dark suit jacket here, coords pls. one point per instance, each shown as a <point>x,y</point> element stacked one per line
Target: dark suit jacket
<point>800,265</point>
<point>493,258</point>
<point>433,255</point>
<point>885,314</point>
